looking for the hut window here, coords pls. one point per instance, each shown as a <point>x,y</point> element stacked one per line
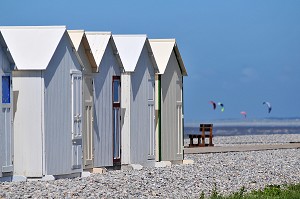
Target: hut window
<point>5,89</point>
<point>151,89</point>
<point>116,90</point>
<point>179,91</point>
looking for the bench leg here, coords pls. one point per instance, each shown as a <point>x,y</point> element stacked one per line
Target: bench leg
<point>191,141</point>
<point>210,138</point>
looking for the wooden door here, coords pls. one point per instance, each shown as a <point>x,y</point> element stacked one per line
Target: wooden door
<point>151,116</point>
<point>179,118</point>
<point>77,120</point>
<point>7,122</point>
<point>88,146</point>
<point>116,100</point>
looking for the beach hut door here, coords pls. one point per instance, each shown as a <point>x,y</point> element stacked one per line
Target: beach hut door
<point>77,120</point>
<point>116,90</point>
<point>151,115</point>
<point>7,122</point>
<point>179,117</point>
<point>88,147</point>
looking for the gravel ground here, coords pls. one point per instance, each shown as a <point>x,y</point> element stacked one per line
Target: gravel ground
<point>227,172</point>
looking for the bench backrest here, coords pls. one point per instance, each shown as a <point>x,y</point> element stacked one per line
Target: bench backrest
<point>206,127</point>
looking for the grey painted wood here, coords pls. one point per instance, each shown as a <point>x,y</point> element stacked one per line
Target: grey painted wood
<point>103,114</point>
<point>88,109</point>
<point>6,129</point>
<point>140,116</point>
<point>57,110</point>
<point>171,93</point>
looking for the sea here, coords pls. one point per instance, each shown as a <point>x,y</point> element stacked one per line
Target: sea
<point>248,127</point>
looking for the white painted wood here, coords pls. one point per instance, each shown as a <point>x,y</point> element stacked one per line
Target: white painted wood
<point>77,120</point>
<point>125,123</point>
<point>88,111</point>
<point>28,123</point>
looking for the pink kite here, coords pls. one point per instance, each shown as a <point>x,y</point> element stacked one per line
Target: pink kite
<point>244,114</point>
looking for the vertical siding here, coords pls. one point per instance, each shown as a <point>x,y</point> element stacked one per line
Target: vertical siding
<point>58,119</point>
<point>125,115</point>
<point>169,120</point>
<point>103,117</point>
<point>5,141</point>
<point>87,96</point>
<point>27,87</point>
<point>139,121</point>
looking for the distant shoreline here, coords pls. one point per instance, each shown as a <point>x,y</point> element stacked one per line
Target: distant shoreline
<point>246,129</point>
<point>249,123</point>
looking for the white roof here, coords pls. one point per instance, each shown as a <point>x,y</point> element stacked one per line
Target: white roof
<point>162,50</point>
<point>32,47</point>
<point>130,48</point>
<point>77,37</point>
<point>98,42</point>
<point>4,46</point>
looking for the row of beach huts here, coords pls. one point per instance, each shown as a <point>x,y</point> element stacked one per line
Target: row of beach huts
<point>74,100</point>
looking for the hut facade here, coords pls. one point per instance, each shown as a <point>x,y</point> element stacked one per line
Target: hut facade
<point>107,82</point>
<point>6,114</point>
<point>169,96</point>
<point>48,101</point>
<point>87,61</point>
<point>138,99</point>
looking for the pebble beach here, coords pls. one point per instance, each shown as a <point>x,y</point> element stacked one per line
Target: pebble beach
<point>225,172</point>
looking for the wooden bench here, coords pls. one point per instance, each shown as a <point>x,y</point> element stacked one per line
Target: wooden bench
<point>202,135</point>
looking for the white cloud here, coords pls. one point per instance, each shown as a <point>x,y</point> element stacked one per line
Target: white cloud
<point>248,74</point>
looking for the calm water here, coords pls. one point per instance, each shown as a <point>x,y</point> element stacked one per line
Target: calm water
<point>247,130</point>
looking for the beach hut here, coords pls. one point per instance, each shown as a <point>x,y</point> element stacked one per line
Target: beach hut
<point>6,129</point>
<point>82,47</point>
<point>138,99</point>
<point>169,96</point>
<point>47,101</point>
<point>107,82</point>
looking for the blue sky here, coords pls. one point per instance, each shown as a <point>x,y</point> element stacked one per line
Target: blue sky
<point>240,53</point>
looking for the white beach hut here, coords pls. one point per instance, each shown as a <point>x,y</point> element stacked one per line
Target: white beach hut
<point>107,99</point>
<point>169,96</point>
<point>6,129</point>
<point>138,99</point>
<point>48,102</point>
<point>86,58</point>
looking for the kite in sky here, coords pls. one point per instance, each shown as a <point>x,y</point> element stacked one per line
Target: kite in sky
<point>214,104</point>
<point>222,106</point>
<point>269,106</point>
<point>244,114</point>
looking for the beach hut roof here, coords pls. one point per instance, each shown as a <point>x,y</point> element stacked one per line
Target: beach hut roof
<point>162,49</point>
<point>78,36</point>
<point>5,49</point>
<point>130,48</point>
<point>32,47</point>
<point>99,42</point>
